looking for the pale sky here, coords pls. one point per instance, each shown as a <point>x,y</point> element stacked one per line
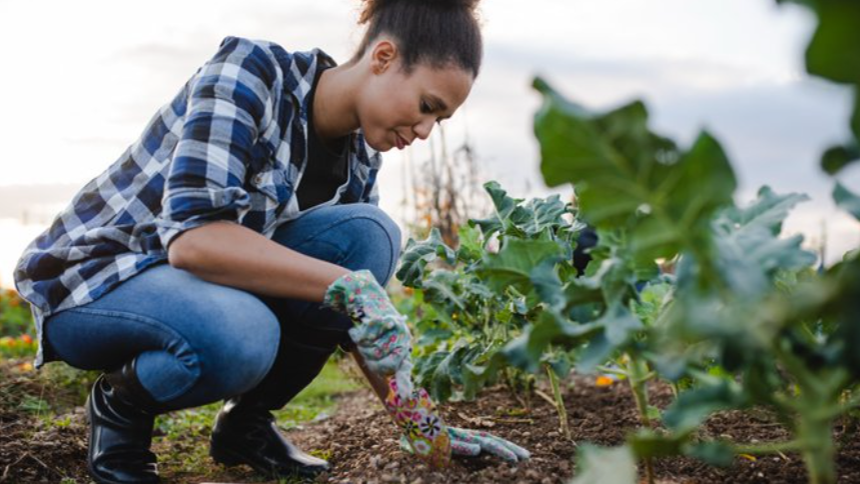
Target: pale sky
<point>81,80</point>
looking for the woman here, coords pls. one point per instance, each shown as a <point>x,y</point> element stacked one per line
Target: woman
<point>233,247</point>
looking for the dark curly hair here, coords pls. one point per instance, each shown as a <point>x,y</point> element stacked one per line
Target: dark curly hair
<point>438,32</point>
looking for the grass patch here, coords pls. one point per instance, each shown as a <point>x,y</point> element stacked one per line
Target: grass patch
<point>54,390</point>
<point>317,400</point>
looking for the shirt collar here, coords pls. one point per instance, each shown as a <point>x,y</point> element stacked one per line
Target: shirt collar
<point>300,68</point>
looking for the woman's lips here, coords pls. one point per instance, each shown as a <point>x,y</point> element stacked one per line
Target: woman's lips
<point>401,143</point>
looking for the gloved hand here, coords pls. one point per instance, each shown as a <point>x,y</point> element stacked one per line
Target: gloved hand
<point>380,334</point>
<point>423,428</point>
<point>472,442</point>
<point>425,434</point>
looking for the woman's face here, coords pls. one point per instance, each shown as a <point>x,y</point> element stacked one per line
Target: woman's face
<point>395,108</point>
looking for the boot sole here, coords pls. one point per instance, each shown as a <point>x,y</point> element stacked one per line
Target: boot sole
<point>230,458</point>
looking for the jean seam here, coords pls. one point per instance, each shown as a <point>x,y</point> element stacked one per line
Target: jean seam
<point>158,325</point>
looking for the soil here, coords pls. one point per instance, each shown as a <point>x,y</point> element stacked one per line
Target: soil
<point>360,443</point>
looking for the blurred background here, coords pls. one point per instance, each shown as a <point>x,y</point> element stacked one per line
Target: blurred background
<point>80,80</point>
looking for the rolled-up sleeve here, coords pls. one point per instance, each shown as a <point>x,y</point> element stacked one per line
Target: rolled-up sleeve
<point>230,102</point>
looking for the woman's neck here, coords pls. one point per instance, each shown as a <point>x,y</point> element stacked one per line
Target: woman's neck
<point>334,113</point>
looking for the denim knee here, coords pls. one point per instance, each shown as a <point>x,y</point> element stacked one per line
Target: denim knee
<point>375,242</point>
<point>239,356</point>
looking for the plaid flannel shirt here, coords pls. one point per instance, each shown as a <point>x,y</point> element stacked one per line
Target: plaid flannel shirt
<point>232,145</point>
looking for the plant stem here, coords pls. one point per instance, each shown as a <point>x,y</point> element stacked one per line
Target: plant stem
<point>819,450</point>
<point>817,405</point>
<point>638,374</point>
<point>559,403</point>
<point>512,385</point>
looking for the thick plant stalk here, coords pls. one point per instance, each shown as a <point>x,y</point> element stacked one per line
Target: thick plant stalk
<point>817,405</point>
<point>559,403</point>
<point>819,450</point>
<point>638,374</point>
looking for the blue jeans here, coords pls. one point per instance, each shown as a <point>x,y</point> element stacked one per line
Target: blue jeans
<point>197,342</point>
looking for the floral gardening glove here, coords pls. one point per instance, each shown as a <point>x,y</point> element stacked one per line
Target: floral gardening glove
<point>423,430</point>
<point>427,436</point>
<point>380,334</point>
<point>472,442</point>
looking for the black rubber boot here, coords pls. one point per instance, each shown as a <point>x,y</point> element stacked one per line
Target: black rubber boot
<point>121,414</point>
<point>245,430</point>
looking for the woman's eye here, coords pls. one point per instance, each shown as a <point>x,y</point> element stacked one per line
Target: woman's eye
<point>425,108</point>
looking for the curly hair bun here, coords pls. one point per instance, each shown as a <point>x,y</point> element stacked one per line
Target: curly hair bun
<point>372,7</point>
<point>439,32</point>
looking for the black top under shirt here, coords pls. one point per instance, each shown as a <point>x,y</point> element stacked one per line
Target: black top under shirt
<point>326,168</point>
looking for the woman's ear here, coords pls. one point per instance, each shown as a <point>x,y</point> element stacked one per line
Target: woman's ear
<point>383,56</point>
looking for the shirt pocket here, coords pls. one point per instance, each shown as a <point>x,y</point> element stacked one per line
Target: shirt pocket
<point>273,183</point>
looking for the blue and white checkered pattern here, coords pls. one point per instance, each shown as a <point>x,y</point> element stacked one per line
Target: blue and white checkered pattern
<point>230,146</point>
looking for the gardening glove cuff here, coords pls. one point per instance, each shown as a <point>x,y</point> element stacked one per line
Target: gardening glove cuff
<point>380,334</point>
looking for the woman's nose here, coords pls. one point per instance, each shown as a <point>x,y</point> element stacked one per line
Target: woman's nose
<point>422,130</point>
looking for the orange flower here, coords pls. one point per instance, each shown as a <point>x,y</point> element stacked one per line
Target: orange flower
<point>7,341</point>
<point>604,381</point>
<point>26,338</point>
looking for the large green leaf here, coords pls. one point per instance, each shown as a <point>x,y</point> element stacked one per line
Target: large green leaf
<point>503,206</point>
<point>538,214</point>
<point>417,254</point>
<point>833,51</point>
<point>750,251</point>
<point>769,210</point>
<point>547,284</point>
<point>440,288</point>
<point>627,176</point>
<point>447,373</point>
<point>842,305</point>
<point>598,465</point>
<point>471,245</point>
<point>533,219</point>
<point>847,200</point>
<point>692,407</point>
<point>838,157</point>
<point>652,301</point>
<point>513,264</point>
<point>619,324</point>
<point>526,350</point>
